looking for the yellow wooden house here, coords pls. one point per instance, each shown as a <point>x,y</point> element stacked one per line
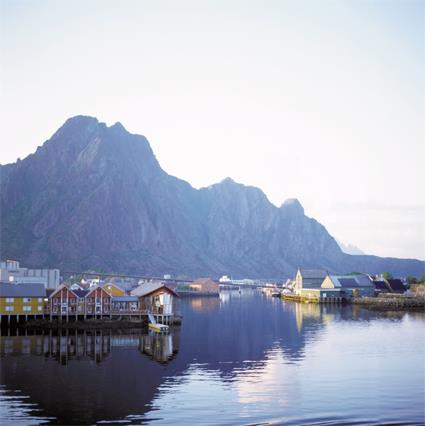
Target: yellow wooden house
<point>22,299</point>
<point>114,290</point>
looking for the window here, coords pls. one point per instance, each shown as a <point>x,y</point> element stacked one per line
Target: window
<point>55,301</point>
<point>40,299</point>
<point>27,299</point>
<point>9,308</point>
<point>40,308</point>
<point>9,300</point>
<point>27,308</point>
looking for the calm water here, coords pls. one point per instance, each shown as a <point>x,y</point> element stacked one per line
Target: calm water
<point>241,359</point>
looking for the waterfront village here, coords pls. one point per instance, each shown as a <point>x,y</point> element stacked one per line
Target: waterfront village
<point>42,294</point>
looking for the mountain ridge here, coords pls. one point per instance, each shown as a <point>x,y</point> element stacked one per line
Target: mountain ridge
<point>95,197</point>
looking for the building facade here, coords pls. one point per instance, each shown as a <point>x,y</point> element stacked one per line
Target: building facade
<point>10,270</point>
<point>156,298</point>
<point>350,285</point>
<point>22,299</point>
<point>308,279</point>
<point>205,286</point>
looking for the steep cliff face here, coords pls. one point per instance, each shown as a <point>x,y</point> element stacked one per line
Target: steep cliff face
<point>95,197</point>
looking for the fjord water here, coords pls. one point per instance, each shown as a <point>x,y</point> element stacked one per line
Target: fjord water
<point>238,359</point>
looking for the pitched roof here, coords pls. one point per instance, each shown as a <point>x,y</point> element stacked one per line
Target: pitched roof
<point>351,281</point>
<point>148,288</point>
<point>381,285</point>
<point>95,287</point>
<point>313,273</point>
<point>396,285</point>
<point>363,280</point>
<point>347,282</point>
<point>105,285</point>
<point>22,290</point>
<point>59,289</point>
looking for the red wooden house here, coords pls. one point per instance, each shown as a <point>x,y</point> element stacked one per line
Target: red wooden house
<point>62,302</point>
<point>98,302</point>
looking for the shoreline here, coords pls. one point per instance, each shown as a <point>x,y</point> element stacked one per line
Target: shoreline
<point>379,303</point>
<point>392,303</point>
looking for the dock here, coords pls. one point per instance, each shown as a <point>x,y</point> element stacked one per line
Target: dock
<point>155,326</point>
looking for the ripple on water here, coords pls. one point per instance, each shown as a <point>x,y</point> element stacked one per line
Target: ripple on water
<point>15,410</point>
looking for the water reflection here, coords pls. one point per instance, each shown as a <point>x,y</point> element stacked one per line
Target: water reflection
<point>240,358</point>
<point>91,345</point>
<point>160,347</point>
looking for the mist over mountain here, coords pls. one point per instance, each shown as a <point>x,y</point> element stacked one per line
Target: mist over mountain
<point>95,198</point>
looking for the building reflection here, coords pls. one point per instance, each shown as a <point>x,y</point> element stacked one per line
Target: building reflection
<point>88,345</point>
<point>205,304</point>
<point>160,347</point>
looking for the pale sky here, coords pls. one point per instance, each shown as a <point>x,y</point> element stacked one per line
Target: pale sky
<point>318,100</point>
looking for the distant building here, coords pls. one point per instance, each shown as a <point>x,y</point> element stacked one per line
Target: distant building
<point>205,286</point>
<point>309,279</point>
<point>396,285</point>
<point>245,281</point>
<point>75,286</point>
<point>391,285</point>
<point>381,286</point>
<point>22,299</point>
<point>10,270</point>
<point>350,285</point>
<point>224,279</point>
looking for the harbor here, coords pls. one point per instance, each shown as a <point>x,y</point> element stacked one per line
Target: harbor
<point>248,353</point>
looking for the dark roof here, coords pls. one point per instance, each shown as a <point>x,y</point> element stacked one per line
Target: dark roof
<point>80,293</point>
<point>381,285</point>
<point>396,285</point>
<point>313,273</point>
<point>348,282</point>
<point>363,280</point>
<point>22,290</point>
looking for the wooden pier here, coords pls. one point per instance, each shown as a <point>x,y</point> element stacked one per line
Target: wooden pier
<point>326,300</point>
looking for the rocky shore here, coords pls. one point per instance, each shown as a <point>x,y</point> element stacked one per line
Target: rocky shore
<point>393,303</point>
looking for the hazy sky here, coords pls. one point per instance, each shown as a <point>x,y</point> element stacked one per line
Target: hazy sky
<point>318,100</point>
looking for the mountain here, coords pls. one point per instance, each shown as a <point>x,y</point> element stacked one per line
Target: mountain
<point>95,198</point>
<point>349,248</point>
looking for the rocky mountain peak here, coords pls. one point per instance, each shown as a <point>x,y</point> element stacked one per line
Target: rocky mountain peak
<point>94,197</point>
<point>292,205</point>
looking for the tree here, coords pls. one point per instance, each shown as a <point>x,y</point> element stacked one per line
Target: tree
<point>422,279</point>
<point>387,275</point>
